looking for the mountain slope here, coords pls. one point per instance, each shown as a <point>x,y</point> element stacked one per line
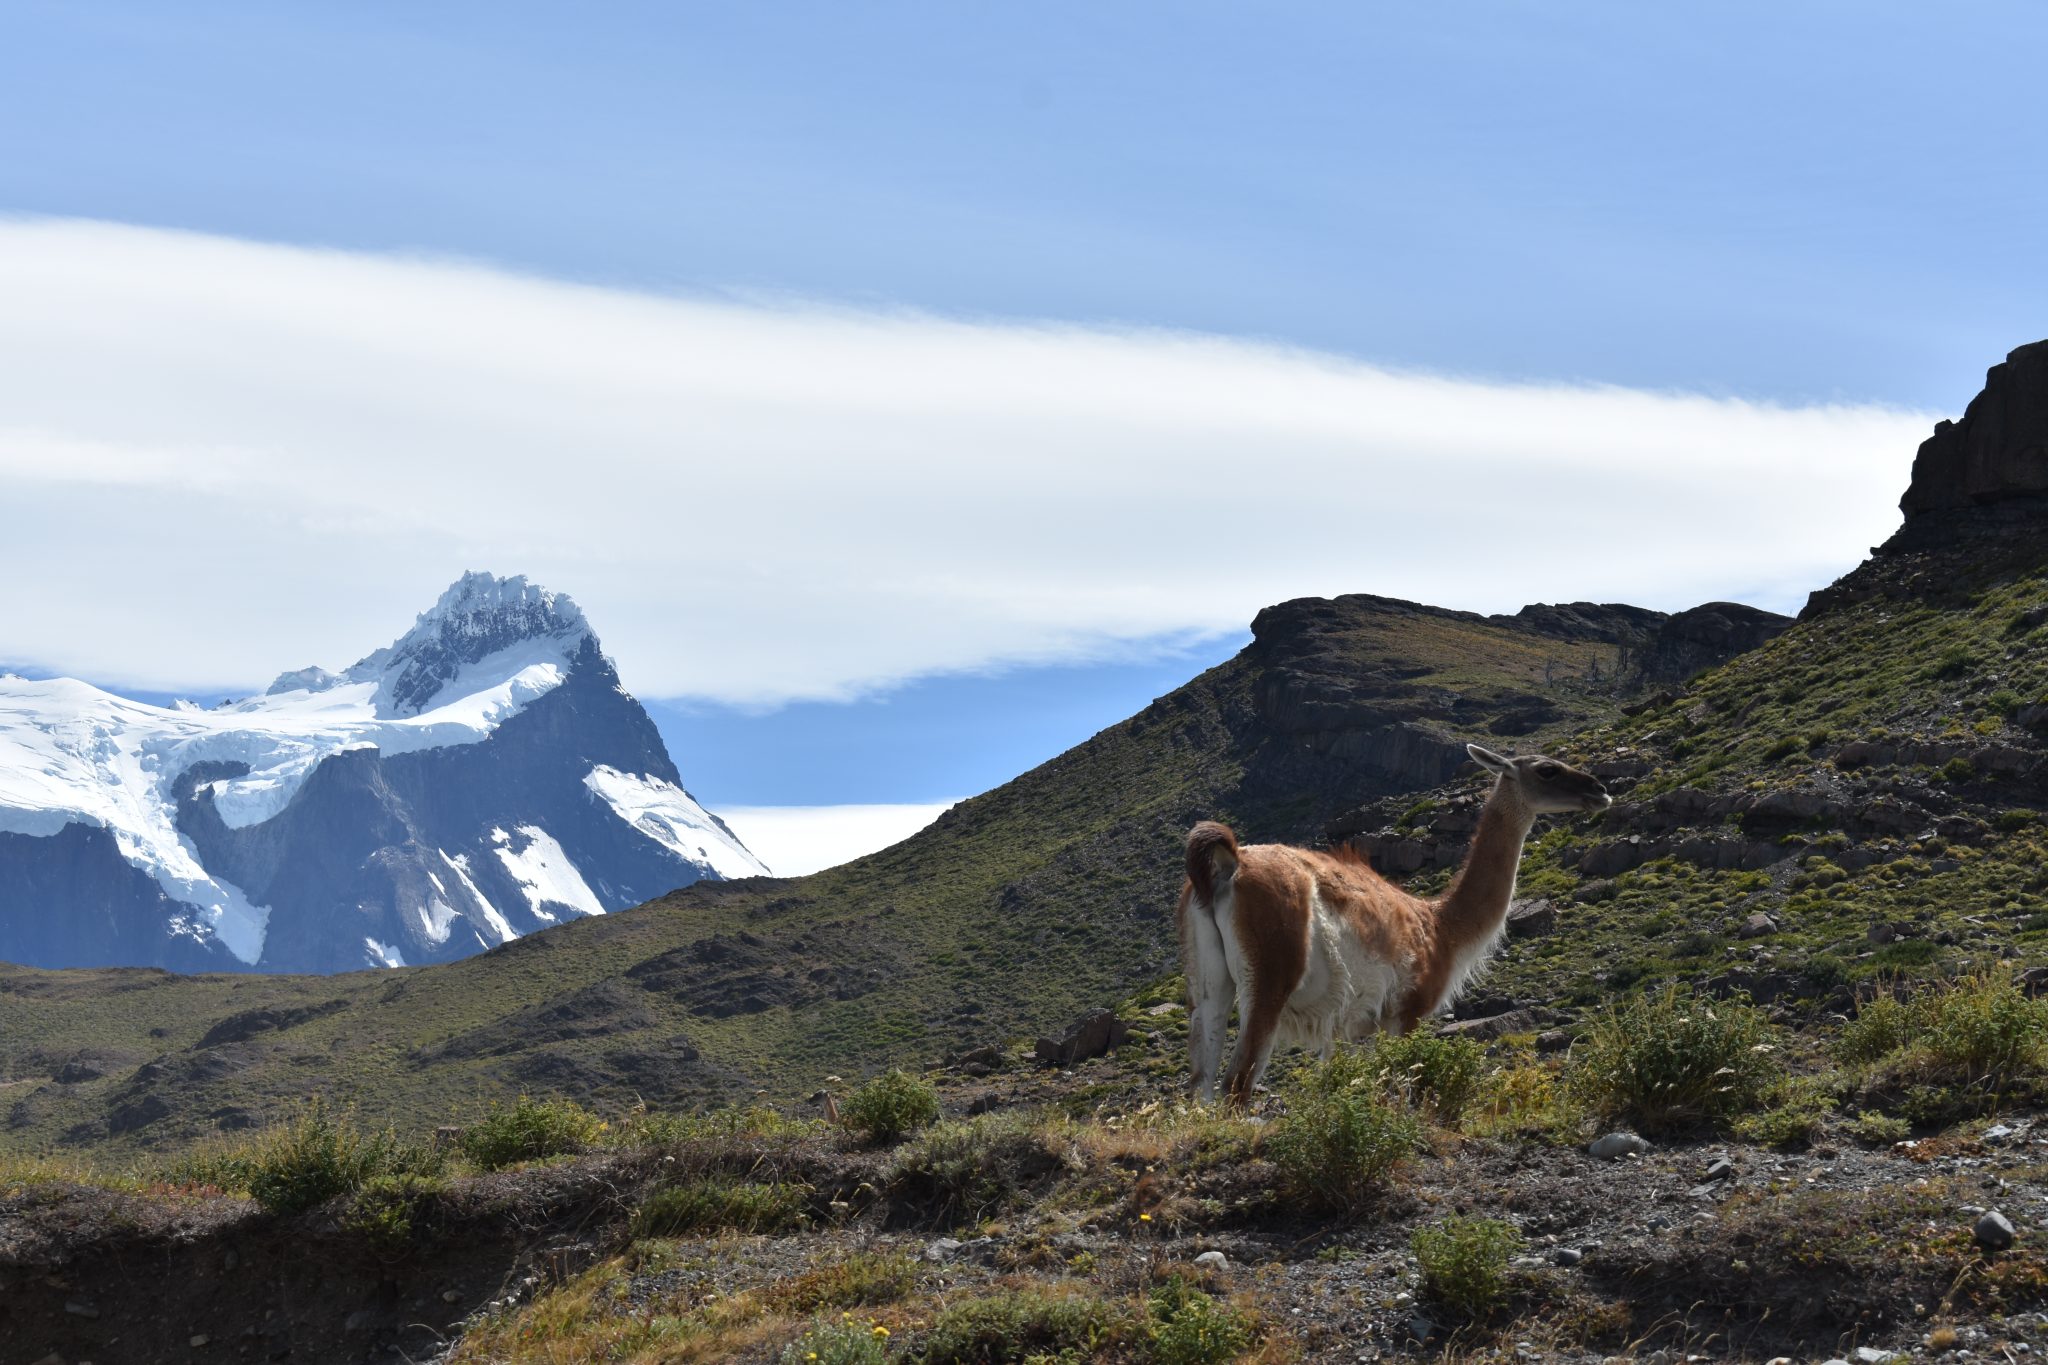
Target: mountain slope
<point>1864,795</point>
<point>1015,909</point>
<point>482,777</point>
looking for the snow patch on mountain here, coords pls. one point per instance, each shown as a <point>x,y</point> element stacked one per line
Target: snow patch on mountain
<point>459,864</point>
<point>672,818</point>
<point>545,872</point>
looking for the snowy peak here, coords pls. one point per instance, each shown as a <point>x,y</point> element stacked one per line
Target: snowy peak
<point>481,616</point>
<point>484,776</point>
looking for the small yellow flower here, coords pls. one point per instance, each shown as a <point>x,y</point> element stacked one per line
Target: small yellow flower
<point>880,1330</point>
<point>1144,1217</point>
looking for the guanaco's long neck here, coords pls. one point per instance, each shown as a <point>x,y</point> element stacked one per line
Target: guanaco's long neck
<point>1478,898</point>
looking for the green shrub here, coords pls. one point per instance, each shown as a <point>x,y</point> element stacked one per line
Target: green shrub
<point>1672,1058</point>
<point>837,1343</point>
<point>889,1106</point>
<point>1879,1130</point>
<point>1440,1074</point>
<point>1464,1262</point>
<point>387,1209</point>
<point>1016,1325</point>
<point>1882,1025</point>
<point>1191,1327</point>
<point>1976,1028</point>
<point>1958,769</point>
<point>860,1280</point>
<point>1953,662</point>
<point>2017,819</point>
<point>317,1156</point>
<point>1797,1114</point>
<point>970,1169</point>
<point>1341,1136</point>
<point>717,1203</point>
<point>529,1131</point>
<point>1782,747</point>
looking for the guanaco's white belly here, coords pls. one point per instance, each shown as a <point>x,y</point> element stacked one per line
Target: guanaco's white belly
<point>1346,993</point>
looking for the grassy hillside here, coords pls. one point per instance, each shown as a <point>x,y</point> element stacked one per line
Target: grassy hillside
<point>1019,908</point>
<point>1863,796</point>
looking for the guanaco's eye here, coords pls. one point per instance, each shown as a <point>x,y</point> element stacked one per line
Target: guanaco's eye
<point>1546,770</point>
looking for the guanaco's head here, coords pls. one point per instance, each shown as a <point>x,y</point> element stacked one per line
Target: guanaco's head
<point>1545,783</point>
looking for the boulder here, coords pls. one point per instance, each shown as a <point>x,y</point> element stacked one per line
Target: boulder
<point>1089,1036</point>
<point>1757,925</point>
<point>1993,1231</point>
<point>1535,917</point>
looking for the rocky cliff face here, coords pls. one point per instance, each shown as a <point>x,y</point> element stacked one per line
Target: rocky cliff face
<point>1998,451</point>
<point>1978,497</point>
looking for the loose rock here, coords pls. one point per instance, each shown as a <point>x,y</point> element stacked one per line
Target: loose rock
<point>944,1249</point>
<point>1721,1169</point>
<point>1993,1231</point>
<point>1214,1260</point>
<point>1617,1145</point>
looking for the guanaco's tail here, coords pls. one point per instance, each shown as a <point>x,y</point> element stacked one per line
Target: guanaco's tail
<point>1212,859</point>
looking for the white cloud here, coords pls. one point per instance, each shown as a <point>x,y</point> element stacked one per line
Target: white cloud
<point>795,840</point>
<point>220,459</point>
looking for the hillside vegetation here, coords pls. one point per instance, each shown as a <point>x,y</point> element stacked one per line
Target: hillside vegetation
<point>1017,909</point>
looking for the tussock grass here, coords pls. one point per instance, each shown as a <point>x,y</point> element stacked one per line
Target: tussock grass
<point>716,1203</point>
<point>1020,1324</point>
<point>1668,1058</point>
<point>1437,1076</point>
<point>530,1130</point>
<point>319,1155</point>
<point>1974,1028</point>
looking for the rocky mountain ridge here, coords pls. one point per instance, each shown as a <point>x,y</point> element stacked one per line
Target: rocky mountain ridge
<point>481,778</point>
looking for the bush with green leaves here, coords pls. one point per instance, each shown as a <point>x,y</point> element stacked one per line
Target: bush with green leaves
<point>837,1343</point>
<point>1793,1116</point>
<point>1341,1135</point>
<point>890,1106</point>
<point>529,1130</point>
<point>1190,1326</point>
<point>318,1155</point>
<point>389,1210</point>
<point>715,1203</point>
<point>1440,1075</point>
<point>1975,1028</point>
<point>1464,1262</point>
<point>1670,1058</point>
<point>1879,1130</point>
<point>1016,1325</point>
<point>968,1169</point>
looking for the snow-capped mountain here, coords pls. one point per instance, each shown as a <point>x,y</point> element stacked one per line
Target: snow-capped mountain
<point>482,777</point>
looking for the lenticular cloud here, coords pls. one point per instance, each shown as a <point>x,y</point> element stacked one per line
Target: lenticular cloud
<point>776,501</point>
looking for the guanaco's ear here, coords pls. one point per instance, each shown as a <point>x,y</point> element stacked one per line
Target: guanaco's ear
<point>1487,759</point>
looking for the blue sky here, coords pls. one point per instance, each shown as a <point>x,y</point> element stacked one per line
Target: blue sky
<point>1821,204</point>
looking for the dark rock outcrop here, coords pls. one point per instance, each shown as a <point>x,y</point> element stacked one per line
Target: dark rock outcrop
<point>1997,451</point>
<point>1089,1036</point>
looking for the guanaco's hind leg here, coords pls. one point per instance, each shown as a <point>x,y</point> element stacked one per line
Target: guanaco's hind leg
<point>1257,1029</point>
<point>1209,992</point>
